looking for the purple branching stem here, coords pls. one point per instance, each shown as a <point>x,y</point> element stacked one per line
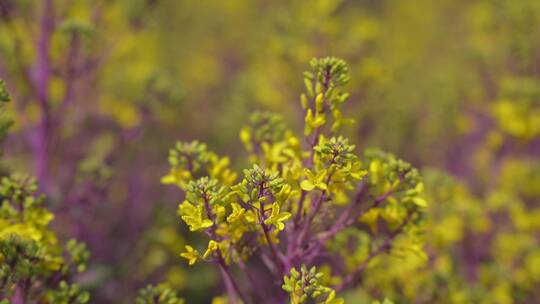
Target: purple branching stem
<point>70,74</point>
<point>209,213</point>
<point>273,251</point>
<point>18,297</point>
<point>277,257</point>
<point>317,206</point>
<point>42,78</point>
<point>260,292</point>
<point>309,221</point>
<point>355,277</point>
<point>312,142</point>
<point>232,288</point>
<point>323,195</point>
<point>269,263</point>
<point>298,215</point>
<point>189,164</point>
<point>346,219</point>
<point>343,221</point>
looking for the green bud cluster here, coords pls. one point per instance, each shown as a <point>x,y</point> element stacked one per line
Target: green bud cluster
<point>192,155</point>
<point>69,293</point>
<point>79,255</point>
<point>385,167</point>
<point>17,259</point>
<point>330,69</point>
<point>336,150</point>
<point>264,127</point>
<point>160,294</point>
<point>323,95</point>
<point>256,179</point>
<point>264,192</point>
<point>189,160</point>
<point>268,140</point>
<point>305,286</point>
<point>204,189</point>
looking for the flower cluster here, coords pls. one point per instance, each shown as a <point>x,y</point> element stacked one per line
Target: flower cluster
<point>295,202</point>
<point>30,254</point>
<point>517,109</point>
<point>192,160</point>
<point>160,294</point>
<point>323,97</point>
<point>305,287</point>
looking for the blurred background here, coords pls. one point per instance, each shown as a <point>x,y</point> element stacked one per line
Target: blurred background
<point>103,88</point>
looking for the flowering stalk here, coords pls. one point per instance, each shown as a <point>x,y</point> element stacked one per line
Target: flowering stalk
<point>327,188</point>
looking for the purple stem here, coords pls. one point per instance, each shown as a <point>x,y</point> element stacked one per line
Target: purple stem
<point>354,277</point>
<point>18,297</point>
<point>230,285</point>
<point>293,240</point>
<point>42,77</point>
<point>232,288</point>
<point>71,69</point>
<point>278,260</point>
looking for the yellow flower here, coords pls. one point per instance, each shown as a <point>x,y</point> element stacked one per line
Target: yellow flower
<point>314,181</point>
<point>277,218</point>
<point>191,255</point>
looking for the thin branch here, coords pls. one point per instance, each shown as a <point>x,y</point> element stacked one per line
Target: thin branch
<point>346,219</point>
<point>260,292</point>
<point>312,142</point>
<point>277,257</point>
<point>69,79</point>
<point>355,277</point>
<point>43,72</point>
<point>232,288</point>
<point>317,206</point>
<point>298,215</point>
